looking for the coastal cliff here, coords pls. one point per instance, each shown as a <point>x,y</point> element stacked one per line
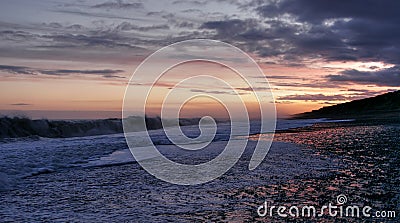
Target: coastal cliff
<point>385,106</point>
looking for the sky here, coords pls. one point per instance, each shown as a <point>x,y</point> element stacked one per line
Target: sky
<point>73,59</point>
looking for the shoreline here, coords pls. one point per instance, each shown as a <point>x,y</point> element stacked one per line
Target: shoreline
<point>310,166</point>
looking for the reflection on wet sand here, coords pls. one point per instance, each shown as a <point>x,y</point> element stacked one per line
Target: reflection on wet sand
<point>307,166</point>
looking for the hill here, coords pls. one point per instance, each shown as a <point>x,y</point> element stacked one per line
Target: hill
<point>385,106</point>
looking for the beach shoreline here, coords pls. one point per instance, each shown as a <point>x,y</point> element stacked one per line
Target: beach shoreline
<point>310,165</point>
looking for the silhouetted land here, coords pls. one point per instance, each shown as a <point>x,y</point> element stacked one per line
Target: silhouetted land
<point>385,107</point>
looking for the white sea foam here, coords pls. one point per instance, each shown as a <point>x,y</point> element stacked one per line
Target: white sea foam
<point>27,157</point>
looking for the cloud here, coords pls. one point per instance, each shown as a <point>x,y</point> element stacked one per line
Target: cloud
<point>17,70</point>
<point>384,77</point>
<point>193,2</point>
<point>119,4</point>
<point>109,37</point>
<point>282,77</point>
<point>98,15</point>
<point>254,89</point>
<point>305,84</point>
<point>109,40</point>
<point>20,104</point>
<point>17,35</point>
<point>293,32</point>
<point>116,36</point>
<point>328,30</point>
<point>343,30</point>
<point>236,29</point>
<point>21,70</point>
<point>279,77</point>
<point>59,26</point>
<point>313,97</point>
<point>126,26</point>
<point>215,92</point>
<point>315,11</point>
<point>106,73</point>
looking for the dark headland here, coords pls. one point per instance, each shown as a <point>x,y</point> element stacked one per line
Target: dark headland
<point>385,107</point>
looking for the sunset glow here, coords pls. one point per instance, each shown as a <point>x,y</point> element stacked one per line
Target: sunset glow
<point>60,58</point>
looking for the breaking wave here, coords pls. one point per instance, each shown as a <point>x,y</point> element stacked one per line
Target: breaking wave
<point>18,127</point>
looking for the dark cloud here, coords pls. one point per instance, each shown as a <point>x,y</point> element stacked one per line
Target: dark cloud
<point>59,26</point>
<point>53,25</point>
<point>113,36</point>
<point>97,14</point>
<point>254,89</point>
<point>109,38</point>
<point>235,29</point>
<point>384,77</point>
<point>344,30</point>
<point>313,97</point>
<point>119,4</point>
<point>195,2</point>
<point>17,35</point>
<point>308,84</point>
<point>68,72</point>
<point>21,70</point>
<point>315,11</point>
<point>283,77</point>
<point>358,90</point>
<point>272,38</point>
<point>126,26</point>
<point>20,104</point>
<point>210,91</point>
<point>250,35</point>
<point>103,39</point>
<point>184,24</point>
<point>329,30</point>
<point>17,70</point>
